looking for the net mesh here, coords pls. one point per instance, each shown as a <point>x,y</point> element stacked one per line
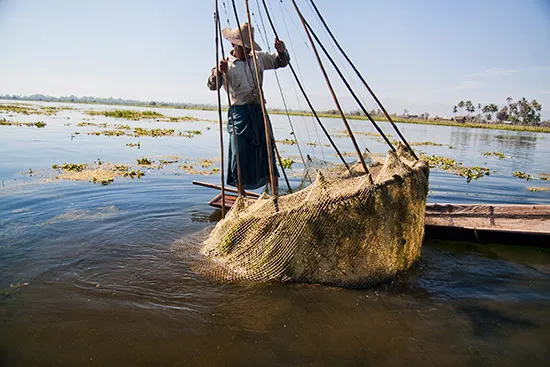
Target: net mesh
<point>347,229</point>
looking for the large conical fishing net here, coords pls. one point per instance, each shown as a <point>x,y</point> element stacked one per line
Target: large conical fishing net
<point>350,230</point>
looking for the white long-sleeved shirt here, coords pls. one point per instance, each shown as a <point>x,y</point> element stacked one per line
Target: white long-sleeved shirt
<point>240,81</point>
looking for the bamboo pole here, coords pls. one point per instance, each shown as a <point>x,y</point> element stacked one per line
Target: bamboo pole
<point>352,137</point>
<point>300,86</point>
<point>285,106</point>
<point>235,142</point>
<point>256,84</point>
<point>229,189</point>
<point>350,89</point>
<point>220,119</point>
<point>268,137</point>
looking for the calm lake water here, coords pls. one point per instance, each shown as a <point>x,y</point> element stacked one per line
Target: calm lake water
<point>95,278</point>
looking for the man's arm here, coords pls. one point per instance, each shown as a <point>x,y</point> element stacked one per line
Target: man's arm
<point>211,83</point>
<point>278,60</point>
<point>216,74</point>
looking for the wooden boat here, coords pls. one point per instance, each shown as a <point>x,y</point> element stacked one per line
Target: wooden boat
<point>522,225</point>
<point>495,223</point>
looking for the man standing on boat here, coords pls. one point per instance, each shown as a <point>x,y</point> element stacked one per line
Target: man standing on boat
<point>246,123</point>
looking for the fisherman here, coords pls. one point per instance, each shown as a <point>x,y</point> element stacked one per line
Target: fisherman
<point>246,123</point>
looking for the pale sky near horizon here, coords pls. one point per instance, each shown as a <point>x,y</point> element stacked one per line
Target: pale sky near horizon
<point>423,55</point>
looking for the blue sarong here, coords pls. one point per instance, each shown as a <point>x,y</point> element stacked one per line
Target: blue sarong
<point>249,131</point>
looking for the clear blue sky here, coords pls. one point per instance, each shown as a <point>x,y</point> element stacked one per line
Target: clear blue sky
<point>424,55</point>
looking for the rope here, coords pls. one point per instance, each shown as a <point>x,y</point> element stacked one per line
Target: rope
<point>280,88</point>
<point>306,24</point>
<point>294,85</point>
<point>352,122</point>
<point>354,142</point>
<point>363,80</point>
<point>305,95</point>
<point>226,14</point>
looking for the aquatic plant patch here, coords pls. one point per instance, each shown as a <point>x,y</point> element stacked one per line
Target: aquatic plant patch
<point>538,189</point>
<point>449,164</point>
<point>144,161</point>
<point>47,110</point>
<point>287,163</point>
<point>544,176</point>
<point>70,167</point>
<point>127,114</point>
<point>108,133</point>
<point>183,118</point>
<point>417,143</point>
<point>100,172</point>
<point>134,174</point>
<point>83,124</point>
<point>25,109</point>
<point>204,167</point>
<point>165,162</point>
<point>38,124</point>
<point>103,180</point>
<point>286,142</point>
<point>140,115</point>
<point>189,133</point>
<point>205,163</point>
<point>21,109</point>
<point>155,133</point>
<point>473,173</point>
<point>496,154</point>
<point>522,175</point>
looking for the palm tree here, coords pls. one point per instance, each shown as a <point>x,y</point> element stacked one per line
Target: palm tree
<point>470,106</point>
<point>461,106</point>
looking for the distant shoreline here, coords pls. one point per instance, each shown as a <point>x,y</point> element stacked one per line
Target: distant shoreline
<point>381,118</point>
<point>377,118</point>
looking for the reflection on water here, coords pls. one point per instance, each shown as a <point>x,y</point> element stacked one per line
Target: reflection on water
<point>111,280</point>
<point>512,144</point>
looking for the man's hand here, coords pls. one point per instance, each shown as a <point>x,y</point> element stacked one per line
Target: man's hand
<point>279,46</point>
<point>222,67</point>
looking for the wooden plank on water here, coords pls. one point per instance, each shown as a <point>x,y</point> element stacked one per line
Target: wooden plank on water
<point>217,201</point>
<point>505,217</point>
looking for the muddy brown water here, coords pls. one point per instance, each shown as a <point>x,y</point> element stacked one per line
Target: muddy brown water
<point>97,279</point>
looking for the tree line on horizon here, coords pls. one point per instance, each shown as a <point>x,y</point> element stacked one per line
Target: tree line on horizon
<point>100,100</point>
<point>520,112</point>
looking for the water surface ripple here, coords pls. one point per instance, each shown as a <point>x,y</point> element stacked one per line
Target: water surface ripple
<point>91,274</point>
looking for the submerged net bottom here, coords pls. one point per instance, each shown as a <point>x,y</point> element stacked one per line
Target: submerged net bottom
<point>345,229</point>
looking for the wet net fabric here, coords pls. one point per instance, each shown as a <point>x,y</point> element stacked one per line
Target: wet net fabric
<point>345,229</point>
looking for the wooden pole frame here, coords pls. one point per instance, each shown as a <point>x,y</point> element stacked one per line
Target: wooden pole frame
<point>350,89</point>
<point>235,142</point>
<point>386,114</point>
<point>348,129</point>
<point>220,119</point>
<point>301,87</point>
<point>268,136</point>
